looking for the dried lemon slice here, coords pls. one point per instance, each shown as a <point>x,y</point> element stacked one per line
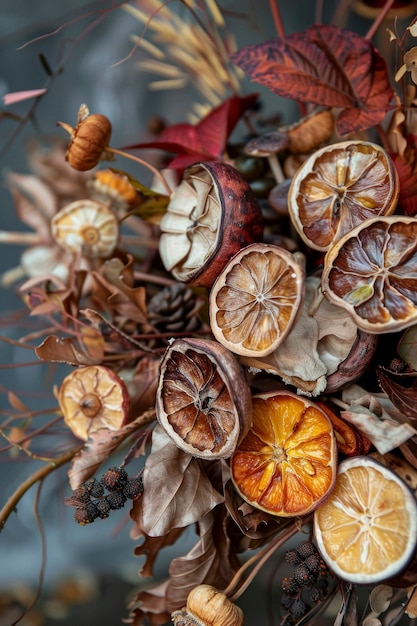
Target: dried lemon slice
<point>366,530</point>
<point>286,464</point>
<point>338,187</point>
<point>371,272</point>
<point>255,300</point>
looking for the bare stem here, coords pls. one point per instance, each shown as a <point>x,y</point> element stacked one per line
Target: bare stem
<point>22,238</point>
<point>150,167</point>
<point>276,15</point>
<point>381,16</point>
<point>37,476</point>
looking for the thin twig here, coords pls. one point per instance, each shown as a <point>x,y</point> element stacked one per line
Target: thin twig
<point>150,167</point>
<point>381,16</point>
<point>276,15</point>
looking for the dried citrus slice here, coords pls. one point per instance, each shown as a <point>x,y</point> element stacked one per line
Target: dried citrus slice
<point>255,300</point>
<point>371,272</point>
<point>366,530</point>
<point>286,464</point>
<point>338,187</point>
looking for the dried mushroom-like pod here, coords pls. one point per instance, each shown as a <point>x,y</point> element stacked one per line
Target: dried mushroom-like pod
<point>87,227</point>
<point>206,606</point>
<point>91,398</point>
<point>203,400</point>
<point>211,215</point>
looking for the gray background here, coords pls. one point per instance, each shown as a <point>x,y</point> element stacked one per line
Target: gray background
<point>118,92</point>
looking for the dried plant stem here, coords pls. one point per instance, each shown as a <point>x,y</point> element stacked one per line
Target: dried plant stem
<point>23,238</point>
<point>37,476</point>
<point>381,16</point>
<point>233,590</point>
<point>150,167</point>
<point>276,15</point>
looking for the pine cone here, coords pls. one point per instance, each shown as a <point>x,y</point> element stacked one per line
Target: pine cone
<point>174,309</point>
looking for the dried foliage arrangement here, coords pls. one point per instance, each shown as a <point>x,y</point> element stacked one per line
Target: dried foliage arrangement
<point>243,328</point>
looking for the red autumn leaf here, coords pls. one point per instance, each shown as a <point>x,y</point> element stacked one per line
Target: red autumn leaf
<point>324,65</point>
<point>206,141</point>
<point>407,198</point>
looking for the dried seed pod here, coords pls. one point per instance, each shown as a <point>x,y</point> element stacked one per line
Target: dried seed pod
<point>115,189</point>
<point>91,398</point>
<point>206,606</point>
<point>89,139</point>
<point>211,215</point>
<point>203,400</point>
<point>87,227</point>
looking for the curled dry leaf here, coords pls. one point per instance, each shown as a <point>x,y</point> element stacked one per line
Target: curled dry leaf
<point>376,417</point>
<point>177,492</point>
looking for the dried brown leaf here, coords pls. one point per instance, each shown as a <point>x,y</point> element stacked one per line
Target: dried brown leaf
<point>149,607</point>
<point>34,202</point>
<point>177,492</point>
<point>403,398</point>
<point>62,350</point>
<point>100,446</point>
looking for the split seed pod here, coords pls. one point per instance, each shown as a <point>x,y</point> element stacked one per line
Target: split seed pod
<point>211,215</point>
<point>89,139</point>
<point>203,400</point>
<point>91,398</point>
<point>206,606</point>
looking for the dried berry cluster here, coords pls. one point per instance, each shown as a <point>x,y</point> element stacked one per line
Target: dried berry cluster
<point>307,583</point>
<point>96,498</point>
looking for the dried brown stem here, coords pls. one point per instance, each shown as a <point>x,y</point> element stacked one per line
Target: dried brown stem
<point>150,167</point>
<point>381,16</point>
<point>37,476</point>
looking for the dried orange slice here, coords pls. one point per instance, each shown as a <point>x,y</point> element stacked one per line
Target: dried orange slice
<point>255,300</point>
<point>371,272</point>
<point>366,530</point>
<point>286,464</point>
<point>338,187</point>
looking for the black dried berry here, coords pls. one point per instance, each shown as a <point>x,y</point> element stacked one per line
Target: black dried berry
<point>103,507</point>
<point>94,488</point>
<point>302,575</point>
<point>305,549</point>
<point>292,557</point>
<point>299,608</point>
<point>313,563</point>
<point>86,514</point>
<point>80,495</point>
<point>290,585</point>
<point>115,478</point>
<point>116,499</point>
<point>133,487</point>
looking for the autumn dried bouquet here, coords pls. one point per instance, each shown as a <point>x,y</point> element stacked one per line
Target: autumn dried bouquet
<point>242,328</point>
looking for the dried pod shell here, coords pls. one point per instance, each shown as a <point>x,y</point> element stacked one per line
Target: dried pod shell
<point>203,400</point>
<point>206,606</point>
<point>91,398</point>
<point>89,140</point>
<point>87,227</point>
<point>211,215</point>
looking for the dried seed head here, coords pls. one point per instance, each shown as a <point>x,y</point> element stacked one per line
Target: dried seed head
<point>112,188</point>
<point>86,227</point>
<point>91,398</point>
<point>89,139</point>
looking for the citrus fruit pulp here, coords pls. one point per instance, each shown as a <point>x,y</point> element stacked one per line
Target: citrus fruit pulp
<point>255,300</point>
<point>366,530</point>
<point>286,464</point>
<point>338,187</point>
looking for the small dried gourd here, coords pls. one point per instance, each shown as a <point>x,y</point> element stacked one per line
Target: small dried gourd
<point>206,606</point>
<point>203,400</point>
<point>211,215</point>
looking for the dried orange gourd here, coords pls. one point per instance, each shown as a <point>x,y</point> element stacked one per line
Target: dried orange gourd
<point>286,464</point>
<point>371,272</point>
<point>366,530</point>
<point>338,187</point>
<point>203,400</point>
<point>91,398</point>
<point>206,606</point>
<point>211,215</point>
<point>255,300</point>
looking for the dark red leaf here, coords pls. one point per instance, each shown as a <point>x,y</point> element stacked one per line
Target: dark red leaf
<point>324,65</point>
<point>407,199</point>
<point>206,140</point>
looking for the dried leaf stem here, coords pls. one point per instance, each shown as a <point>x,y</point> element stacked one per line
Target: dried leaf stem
<point>150,167</point>
<point>37,476</point>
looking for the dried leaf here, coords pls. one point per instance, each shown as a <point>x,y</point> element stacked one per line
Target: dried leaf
<point>16,403</point>
<point>34,202</point>
<point>407,346</point>
<point>325,65</point>
<point>411,608</point>
<point>100,446</point>
<point>149,605</point>
<point>18,96</point>
<point>347,614</point>
<point>403,398</point>
<point>177,492</point>
<point>380,598</point>
<point>407,198</point>
<point>376,417</point>
<point>151,545</point>
<point>210,561</point>
<point>206,140</point>
<point>62,350</point>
